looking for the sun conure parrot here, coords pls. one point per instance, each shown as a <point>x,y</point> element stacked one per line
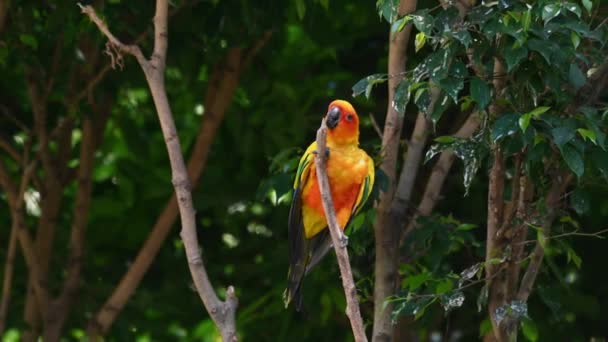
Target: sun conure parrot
<point>351,178</point>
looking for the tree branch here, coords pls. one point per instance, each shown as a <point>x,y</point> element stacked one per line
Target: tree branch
<point>560,183</point>
<point>222,313</point>
<point>386,236</point>
<point>221,87</point>
<point>339,240</point>
<point>8,277</point>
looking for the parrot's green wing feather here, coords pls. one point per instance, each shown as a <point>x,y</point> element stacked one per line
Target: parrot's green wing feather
<point>298,244</point>
<point>366,187</point>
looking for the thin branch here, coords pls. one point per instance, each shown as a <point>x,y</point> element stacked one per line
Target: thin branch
<point>598,234</point>
<point>116,46</point>
<point>222,313</point>
<point>338,238</point>
<point>221,87</point>
<point>552,201</point>
<point>8,277</point>
<point>438,175</point>
<point>375,125</point>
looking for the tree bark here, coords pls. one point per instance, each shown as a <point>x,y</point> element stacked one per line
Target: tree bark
<point>386,236</point>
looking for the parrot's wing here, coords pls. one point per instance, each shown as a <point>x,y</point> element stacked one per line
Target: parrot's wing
<point>366,187</point>
<point>298,244</point>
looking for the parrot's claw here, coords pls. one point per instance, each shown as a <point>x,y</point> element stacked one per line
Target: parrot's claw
<point>315,152</point>
<point>343,241</point>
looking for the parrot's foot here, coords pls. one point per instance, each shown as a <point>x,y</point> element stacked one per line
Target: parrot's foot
<point>315,152</point>
<point>343,241</point>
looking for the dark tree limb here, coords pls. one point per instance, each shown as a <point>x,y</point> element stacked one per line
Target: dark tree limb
<point>338,238</point>
<point>386,236</point>
<point>222,312</point>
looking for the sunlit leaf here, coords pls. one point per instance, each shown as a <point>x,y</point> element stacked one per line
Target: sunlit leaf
<point>452,301</point>
<point>366,84</point>
<point>550,11</point>
<point>529,329</point>
<point>419,41</point>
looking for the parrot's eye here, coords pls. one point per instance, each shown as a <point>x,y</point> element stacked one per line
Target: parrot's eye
<point>349,117</point>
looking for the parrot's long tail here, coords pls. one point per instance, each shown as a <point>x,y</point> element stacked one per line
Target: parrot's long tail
<point>293,292</point>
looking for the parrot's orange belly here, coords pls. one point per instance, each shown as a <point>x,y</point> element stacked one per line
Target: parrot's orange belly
<point>345,178</point>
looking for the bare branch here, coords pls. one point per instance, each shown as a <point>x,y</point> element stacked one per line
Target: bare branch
<point>115,43</point>
<point>222,85</point>
<point>8,277</point>
<point>375,125</point>
<point>339,240</point>
<point>222,313</point>
<point>560,183</point>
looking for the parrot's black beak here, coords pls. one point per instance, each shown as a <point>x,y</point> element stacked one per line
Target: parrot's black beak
<point>333,117</point>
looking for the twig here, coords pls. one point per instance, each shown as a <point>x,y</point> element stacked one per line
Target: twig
<point>574,233</point>
<point>375,125</point>
<point>222,313</point>
<point>338,238</point>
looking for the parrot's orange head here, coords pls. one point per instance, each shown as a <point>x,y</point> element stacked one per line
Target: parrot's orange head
<point>342,123</point>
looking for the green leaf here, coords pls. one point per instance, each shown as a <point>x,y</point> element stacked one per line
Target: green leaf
<point>528,327</point>
<point>576,76</point>
<point>402,96</point>
<point>588,5</point>
<point>526,20</point>
<point>389,9</point>
<point>423,21</point>
<point>513,55</point>
<point>415,281</point>
<point>440,106</point>
<point>574,8</point>
<point>464,37</point>
<point>524,121</point>
<point>445,139</point>
<point>573,257</point>
<point>29,40</point>
<point>480,92</point>
<point>587,134</point>
<point>398,25</point>
<point>420,40</point>
<point>541,46</point>
<point>562,135</point>
<point>452,86</point>
<point>580,201</point>
<point>444,286</point>
<point>536,112</point>
<point>550,11</point>
<point>573,159</point>
<point>542,239</point>
<point>575,38</point>
<point>485,327</point>
<point>366,84</point>
<point>504,126</point>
